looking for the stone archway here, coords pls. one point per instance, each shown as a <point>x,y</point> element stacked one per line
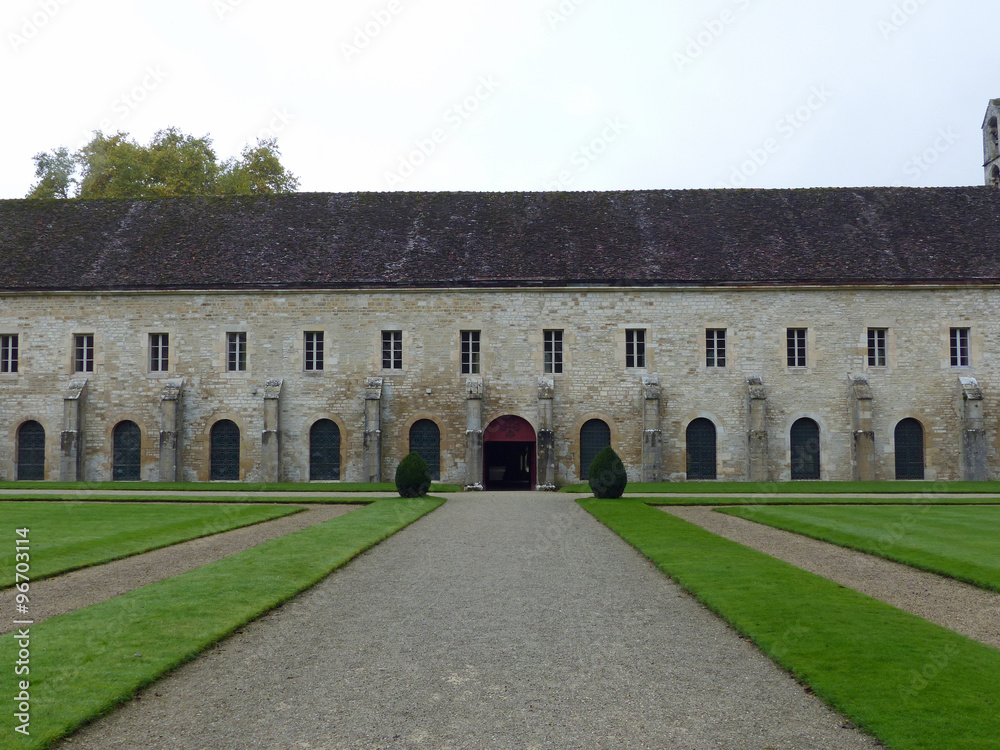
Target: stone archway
<point>509,460</point>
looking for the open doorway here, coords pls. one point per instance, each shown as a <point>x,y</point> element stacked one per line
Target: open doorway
<point>509,454</point>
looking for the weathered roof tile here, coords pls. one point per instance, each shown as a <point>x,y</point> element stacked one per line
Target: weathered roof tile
<point>345,240</point>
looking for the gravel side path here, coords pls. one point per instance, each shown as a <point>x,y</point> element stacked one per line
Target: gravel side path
<point>966,609</point>
<point>81,588</point>
<point>498,621</point>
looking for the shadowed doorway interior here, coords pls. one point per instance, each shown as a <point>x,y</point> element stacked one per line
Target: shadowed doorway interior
<point>509,454</point>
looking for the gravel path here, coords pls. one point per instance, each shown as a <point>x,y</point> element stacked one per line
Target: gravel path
<point>81,588</point>
<point>966,609</point>
<point>498,621</point>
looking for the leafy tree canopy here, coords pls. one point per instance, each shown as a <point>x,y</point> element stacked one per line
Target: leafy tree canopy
<point>54,171</point>
<point>172,164</point>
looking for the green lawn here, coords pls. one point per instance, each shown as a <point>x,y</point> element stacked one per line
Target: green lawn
<point>801,487</point>
<point>960,542</point>
<point>192,499</point>
<point>71,535</point>
<point>843,500</point>
<point>913,684</point>
<point>353,487</point>
<point>85,663</point>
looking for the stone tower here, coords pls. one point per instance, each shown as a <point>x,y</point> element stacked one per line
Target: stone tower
<point>991,144</point>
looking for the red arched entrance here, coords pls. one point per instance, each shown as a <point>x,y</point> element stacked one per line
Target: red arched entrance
<point>509,454</point>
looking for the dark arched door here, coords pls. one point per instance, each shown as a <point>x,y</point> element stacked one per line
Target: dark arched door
<point>425,441</point>
<point>31,451</point>
<point>909,438</point>
<point>324,450</point>
<point>126,456</point>
<point>595,436</point>
<point>701,451</point>
<point>804,441</point>
<point>225,441</point>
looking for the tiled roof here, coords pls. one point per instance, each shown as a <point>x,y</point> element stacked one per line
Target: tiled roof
<point>386,240</point>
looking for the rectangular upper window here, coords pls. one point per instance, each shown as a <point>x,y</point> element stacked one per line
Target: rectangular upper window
<point>8,352</point>
<point>312,347</point>
<point>236,352</point>
<point>470,352</point>
<point>392,350</point>
<point>635,347</point>
<point>796,338</point>
<point>715,347</point>
<point>159,352</point>
<point>553,352</point>
<point>83,352</point>
<point>876,347</point>
<point>959,347</point>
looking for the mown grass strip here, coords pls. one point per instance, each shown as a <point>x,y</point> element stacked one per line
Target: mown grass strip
<point>68,536</point>
<point>220,486</point>
<point>85,663</point>
<point>914,685</point>
<point>898,500</point>
<point>194,499</point>
<point>956,542</point>
<point>914,488</point>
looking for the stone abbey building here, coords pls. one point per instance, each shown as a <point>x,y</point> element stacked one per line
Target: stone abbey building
<point>730,334</point>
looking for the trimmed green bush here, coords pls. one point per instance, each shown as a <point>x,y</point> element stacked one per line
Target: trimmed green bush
<point>413,477</point>
<point>607,474</point>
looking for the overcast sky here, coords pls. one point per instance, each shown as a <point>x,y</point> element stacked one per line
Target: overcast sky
<point>518,94</point>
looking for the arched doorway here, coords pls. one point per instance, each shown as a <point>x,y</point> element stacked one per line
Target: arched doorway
<point>126,452</point>
<point>324,451</point>
<point>509,454</point>
<point>425,441</point>
<point>31,451</point>
<point>225,461</point>
<point>909,439</point>
<point>701,453</point>
<point>804,442</point>
<point>595,436</point>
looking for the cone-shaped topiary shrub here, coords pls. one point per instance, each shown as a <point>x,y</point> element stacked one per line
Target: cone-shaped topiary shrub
<point>607,474</point>
<point>413,478</point>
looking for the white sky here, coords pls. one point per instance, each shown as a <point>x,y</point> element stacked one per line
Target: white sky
<point>518,94</point>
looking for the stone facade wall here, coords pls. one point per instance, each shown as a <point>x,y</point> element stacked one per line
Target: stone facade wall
<point>918,380</point>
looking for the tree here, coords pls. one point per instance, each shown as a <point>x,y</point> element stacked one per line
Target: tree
<point>178,164</point>
<point>111,167</point>
<point>54,170</point>
<point>258,172</point>
<point>173,164</point>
